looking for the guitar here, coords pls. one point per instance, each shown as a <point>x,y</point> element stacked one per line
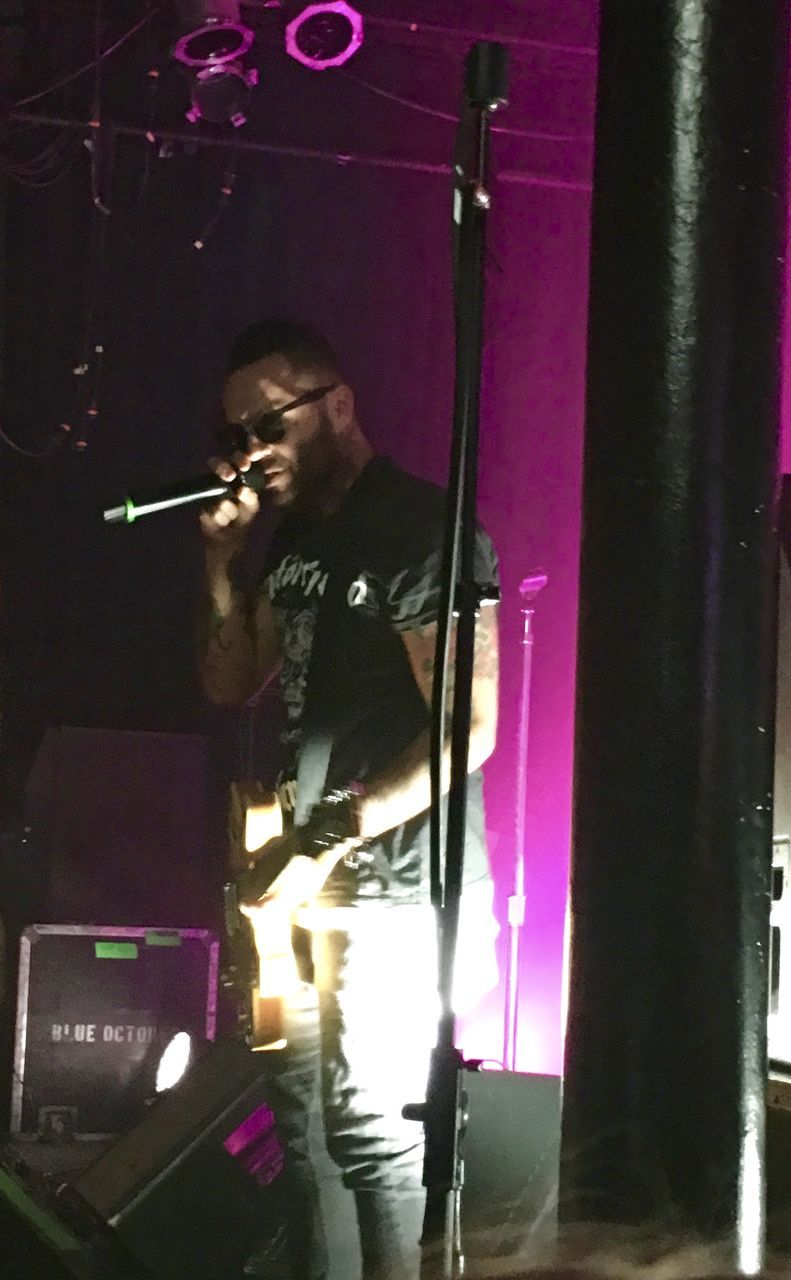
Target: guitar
<point>285,872</point>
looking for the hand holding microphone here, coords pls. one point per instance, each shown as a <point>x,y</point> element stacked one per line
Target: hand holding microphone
<point>225,524</point>
<point>236,483</point>
<point>254,465</point>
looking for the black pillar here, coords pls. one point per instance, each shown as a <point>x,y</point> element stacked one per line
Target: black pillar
<point>666,1058</point>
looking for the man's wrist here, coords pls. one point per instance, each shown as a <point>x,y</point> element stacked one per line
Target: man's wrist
<point>220,586</point>
<point>218,561</point>
<point>336,819</point>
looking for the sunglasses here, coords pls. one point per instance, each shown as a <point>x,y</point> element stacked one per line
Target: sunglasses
<point>268,427</point>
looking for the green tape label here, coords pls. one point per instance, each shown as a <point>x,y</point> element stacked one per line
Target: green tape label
<point>116,950</point>
<point>48,1227</point>
<point>155,939</point>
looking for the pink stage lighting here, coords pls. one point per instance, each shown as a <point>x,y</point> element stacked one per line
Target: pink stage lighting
<point>219,94</point>
<point>212,48</point>
<point>213,33</point>
<point>324,34</point>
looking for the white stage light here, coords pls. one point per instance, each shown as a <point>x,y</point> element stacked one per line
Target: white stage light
<point>174,1061</point>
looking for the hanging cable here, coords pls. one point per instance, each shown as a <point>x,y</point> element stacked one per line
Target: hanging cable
<point>504,131</point>
<point>226,192</point>
<point>33,453</point>
<point>44,167</point>
<point>99,56</point>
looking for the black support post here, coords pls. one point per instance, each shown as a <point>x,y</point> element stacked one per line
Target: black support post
<point>666,1057</point>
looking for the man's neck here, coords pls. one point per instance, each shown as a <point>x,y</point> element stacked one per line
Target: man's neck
<point>350,466</point>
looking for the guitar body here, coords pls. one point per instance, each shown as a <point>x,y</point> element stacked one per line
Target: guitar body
<point>258,907</point>
<point>261,970</point>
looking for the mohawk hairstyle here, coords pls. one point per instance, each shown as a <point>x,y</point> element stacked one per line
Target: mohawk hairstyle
<point>304,347</point>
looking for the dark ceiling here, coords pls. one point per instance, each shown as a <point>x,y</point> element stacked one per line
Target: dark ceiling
<point>389,104</point>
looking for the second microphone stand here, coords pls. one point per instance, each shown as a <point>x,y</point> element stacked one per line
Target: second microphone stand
<point>528,590</point>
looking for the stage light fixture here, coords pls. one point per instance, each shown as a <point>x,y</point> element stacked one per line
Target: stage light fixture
<point>220,94</point>
<point>212,48</point>
<point>324,34</point>
<point>212,33</point>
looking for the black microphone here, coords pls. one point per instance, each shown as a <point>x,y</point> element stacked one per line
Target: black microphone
<point>181,493</point>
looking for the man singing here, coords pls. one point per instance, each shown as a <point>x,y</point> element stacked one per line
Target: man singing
<point>346,613</point>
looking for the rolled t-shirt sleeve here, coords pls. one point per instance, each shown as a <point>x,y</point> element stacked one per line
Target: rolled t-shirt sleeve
<point>413,593</point>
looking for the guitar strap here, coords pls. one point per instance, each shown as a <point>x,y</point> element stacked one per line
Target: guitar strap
<point>314,763</point>
<point>322,712</point>
<point>319,714</point>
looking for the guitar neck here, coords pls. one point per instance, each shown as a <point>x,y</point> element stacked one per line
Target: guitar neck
<point>263,876</point>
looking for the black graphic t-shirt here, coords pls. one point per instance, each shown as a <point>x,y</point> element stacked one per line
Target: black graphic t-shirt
<point>343,589</point>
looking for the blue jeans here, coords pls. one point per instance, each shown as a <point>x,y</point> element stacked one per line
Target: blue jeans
<point>374,971</point>
<point>375,981</point>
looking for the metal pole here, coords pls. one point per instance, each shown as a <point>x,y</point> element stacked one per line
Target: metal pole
<point>192,139</point>
<point>528,590</point>
<point>485,88</point>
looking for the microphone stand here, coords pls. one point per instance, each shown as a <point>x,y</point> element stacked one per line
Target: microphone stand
<point>485,89</point>
<point>528,590</point>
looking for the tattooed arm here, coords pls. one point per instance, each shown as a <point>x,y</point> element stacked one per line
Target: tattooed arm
<point>403,789</point>
<point>239,647</point>
<point>238,643</point>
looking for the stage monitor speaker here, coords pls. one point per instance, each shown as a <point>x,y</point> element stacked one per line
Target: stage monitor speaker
<point>511,1150</point>
<point>778,1163</point>
<point>198,1185</point>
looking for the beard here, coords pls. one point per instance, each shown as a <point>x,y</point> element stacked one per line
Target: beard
<point>319,470</point>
